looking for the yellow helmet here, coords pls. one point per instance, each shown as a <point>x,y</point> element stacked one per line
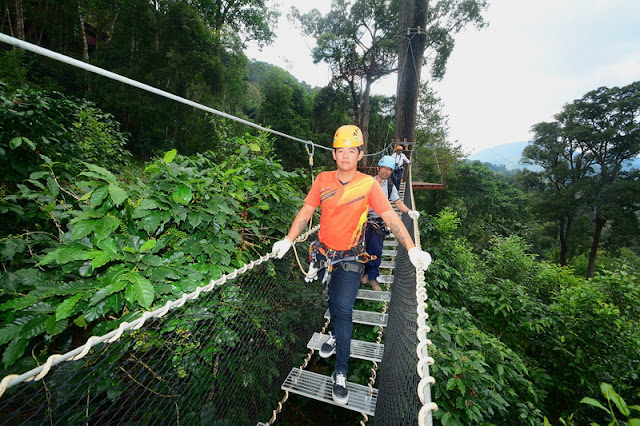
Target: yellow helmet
<point>348,136</point>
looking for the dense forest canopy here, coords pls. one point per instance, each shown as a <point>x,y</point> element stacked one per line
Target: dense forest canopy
<point>534,289</point>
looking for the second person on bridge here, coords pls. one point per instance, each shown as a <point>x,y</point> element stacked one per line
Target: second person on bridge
<point>344,196</point>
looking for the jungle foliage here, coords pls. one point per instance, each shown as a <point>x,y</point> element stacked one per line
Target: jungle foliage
<point>114,201</point>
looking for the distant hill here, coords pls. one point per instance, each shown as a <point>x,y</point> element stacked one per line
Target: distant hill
<point>507,154</point>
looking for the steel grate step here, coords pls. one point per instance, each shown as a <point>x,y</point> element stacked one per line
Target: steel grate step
<point>388,264</point>
<point>312,385</point>
<point>359,348</point>
<point>391,253</point>
<point>366,317</point>
<point>381,296</point>
<point>390,242</point>
<point>387,279</point>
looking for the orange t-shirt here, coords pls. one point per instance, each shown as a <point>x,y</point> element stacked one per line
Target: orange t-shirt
<point>344,207</point>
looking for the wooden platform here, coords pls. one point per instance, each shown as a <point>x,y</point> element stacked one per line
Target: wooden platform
<point>427,185</point>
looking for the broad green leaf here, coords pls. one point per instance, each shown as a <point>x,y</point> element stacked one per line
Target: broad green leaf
<point>148,204</point>
<point>152,168</point>
<point>148,245</point>
<point>593,402</point>
<point>195,219</point>
<point>34,327</point>
<point>14,351</point>
<point>182,195</point>
<point>8,333</point>
<point>54,327</point>
<point>109,245</point>
<point>53,187</point>
<point>262,205</point>
<point>19,303</point>
<point>29,143</point>
<point>80,321</point>
<point>99,195</point>
<point>254,147</point>
<point>65,309</point>
<point>102,172</point>
<point>101,259</point>
<point>15,142</point>
<point>82,228</point>
<point>142,288</point>
<point>169,156</point>
<point>118,195</point>
<point>105,226</point>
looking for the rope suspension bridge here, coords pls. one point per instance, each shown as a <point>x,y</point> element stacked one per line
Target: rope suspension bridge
<point>225,353</point>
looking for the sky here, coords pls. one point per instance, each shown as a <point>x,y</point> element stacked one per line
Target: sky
<point>532,59</point>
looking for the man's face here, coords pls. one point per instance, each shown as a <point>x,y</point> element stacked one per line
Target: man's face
<point>347,158</point>
<point>384,172</point>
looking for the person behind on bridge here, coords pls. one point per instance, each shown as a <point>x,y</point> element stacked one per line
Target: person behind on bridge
<point>400,160</point>
<point>344,196</point>
<point>376,230</point>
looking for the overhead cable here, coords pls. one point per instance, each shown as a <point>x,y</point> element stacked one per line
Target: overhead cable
<point>100,71</point>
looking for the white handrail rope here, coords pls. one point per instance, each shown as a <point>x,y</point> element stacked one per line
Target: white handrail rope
<point>424,360</point>
<point>100,71</point>
<point>74,355</point>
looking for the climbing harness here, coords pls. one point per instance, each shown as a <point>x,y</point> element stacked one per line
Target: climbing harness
<point>321,257</point>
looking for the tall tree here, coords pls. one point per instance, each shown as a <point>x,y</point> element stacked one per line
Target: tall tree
<point>586,155</point>
<point>566,166</point>
<point>607,122</point>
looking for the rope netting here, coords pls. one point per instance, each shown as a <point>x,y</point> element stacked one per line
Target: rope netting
<point>219,358</point>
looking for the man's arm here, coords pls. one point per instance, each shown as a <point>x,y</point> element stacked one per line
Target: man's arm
<point>397,227</point>
<point>402,206</point>
<point>300,222</point>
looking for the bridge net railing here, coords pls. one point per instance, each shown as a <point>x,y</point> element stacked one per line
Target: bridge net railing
<point>219,359</point>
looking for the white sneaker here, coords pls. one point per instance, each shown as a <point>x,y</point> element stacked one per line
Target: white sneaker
<point>328,348</point>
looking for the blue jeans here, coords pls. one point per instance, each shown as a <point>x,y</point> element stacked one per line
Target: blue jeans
<point>343,289</point>
<point>396,176</point>
<point>373,245</point>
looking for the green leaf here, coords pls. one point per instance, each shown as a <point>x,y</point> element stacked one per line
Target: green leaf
<point>254,147</point>
<point>82,228</point>
<point>101,259</point>
<point>8,333</point>
<point>262,205</point>
<point>169,156</point>
<point>53,187</point>
<point>80,322</point>
<point>15,142</point>
<point>182,195</point>
<point>14,351</point>
<point>34,327</point>
<point>148,245</point>
<point>18,304</point>
<point>611,395</point>
<point>65,309</point>
<point>593,402</point>
<point>99,195</point>
<point>142,289</point>
<point>118,195</point>
<point>101,172</point>
<point>29,143</point>
<point>148,204</point>
<point>105,226</point>
<point>54,327</point>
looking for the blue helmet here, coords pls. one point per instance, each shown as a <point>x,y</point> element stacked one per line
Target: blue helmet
<point>387,161</point>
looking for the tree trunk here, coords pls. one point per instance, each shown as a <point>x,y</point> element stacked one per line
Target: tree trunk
<point>19,31</point>
<point>366,112</point>
<point>411,45</point>
<point>594,247</point>
<point>83,34</point>
<point>565,230</point>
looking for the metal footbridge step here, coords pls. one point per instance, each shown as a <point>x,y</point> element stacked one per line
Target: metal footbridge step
<point>380,296</point>
<point>313,385</point>
<point>366,317</point>
<point>359,348</point>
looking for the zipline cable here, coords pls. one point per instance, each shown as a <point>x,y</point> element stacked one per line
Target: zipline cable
<point>100,71</point>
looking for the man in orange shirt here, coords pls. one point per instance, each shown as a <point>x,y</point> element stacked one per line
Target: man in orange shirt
<point>344,196</point>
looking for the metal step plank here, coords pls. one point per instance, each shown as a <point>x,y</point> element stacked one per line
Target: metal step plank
<point>388,264</point>
<point>390,242</point>
<point>359,348</point>
<point>391,253</point>
<point>366,317</point>
<point>362,399</point>
<point>387,279</point>
<point>379,296</point>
